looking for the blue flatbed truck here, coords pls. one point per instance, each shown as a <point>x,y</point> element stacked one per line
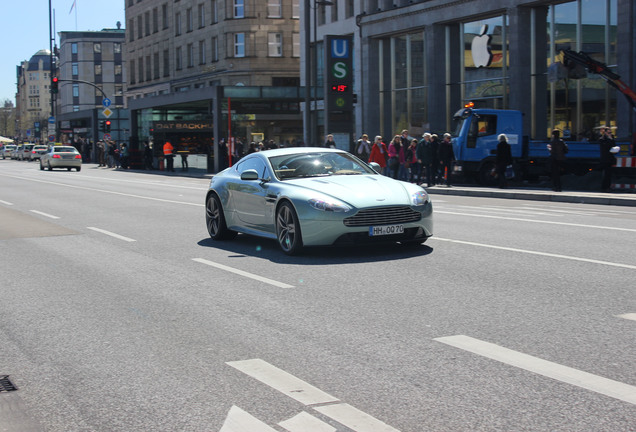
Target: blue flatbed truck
<point>475,145</point>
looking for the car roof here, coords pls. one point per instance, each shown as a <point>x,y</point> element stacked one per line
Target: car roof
<point>298,150</point>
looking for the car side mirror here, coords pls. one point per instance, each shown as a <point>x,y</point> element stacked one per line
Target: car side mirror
<point>376,166</point>
<point>250,174</point>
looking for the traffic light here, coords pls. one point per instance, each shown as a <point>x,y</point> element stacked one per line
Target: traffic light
<point>101,126</point>
<point>107,126</point>
<point>54,84</point>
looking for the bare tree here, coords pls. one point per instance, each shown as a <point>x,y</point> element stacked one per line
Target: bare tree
<point>7,119</point>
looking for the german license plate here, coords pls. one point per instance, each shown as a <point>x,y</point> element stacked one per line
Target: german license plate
<point>385,230</point>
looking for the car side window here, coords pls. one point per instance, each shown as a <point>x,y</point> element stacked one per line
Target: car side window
<point>252,163</point>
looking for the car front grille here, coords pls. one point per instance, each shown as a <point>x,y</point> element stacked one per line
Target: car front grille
<point>383,216</point>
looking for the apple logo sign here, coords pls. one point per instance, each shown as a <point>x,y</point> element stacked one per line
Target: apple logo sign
<point>480,48</point>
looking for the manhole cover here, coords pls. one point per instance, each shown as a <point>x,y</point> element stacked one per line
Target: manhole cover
<point>6,385</point>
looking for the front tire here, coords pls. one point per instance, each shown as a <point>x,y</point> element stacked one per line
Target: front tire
<point>49,167</point>
<point>288,229</point>
<point>215,219</point>
<point>41,166</point>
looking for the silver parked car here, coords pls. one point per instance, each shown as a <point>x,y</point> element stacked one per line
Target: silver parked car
<point>25,153</point>
<point>7,149</point>
<point>61,157</point>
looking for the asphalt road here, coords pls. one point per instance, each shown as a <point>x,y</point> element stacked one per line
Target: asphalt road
<point>118,313</point>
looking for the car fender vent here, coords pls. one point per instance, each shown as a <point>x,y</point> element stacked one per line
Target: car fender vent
<point>6,385</point>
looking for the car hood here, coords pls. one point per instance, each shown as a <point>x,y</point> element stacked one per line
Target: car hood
<point>358,190</point>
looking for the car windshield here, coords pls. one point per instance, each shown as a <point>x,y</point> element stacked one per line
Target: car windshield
<point>317,164</point>
<point>65,150</point>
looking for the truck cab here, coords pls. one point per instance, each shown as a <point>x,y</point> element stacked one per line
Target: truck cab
<point>475,137</point>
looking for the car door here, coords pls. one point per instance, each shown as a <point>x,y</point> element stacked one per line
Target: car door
<point>249,197</point>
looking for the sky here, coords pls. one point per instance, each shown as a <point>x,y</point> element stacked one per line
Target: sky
<point>25,29</point>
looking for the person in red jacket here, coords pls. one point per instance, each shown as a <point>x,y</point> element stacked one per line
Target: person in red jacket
<point>379,153</point>
<point>168,155</point>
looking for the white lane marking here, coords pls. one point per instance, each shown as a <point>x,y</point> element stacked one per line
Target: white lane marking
<point>112,234</point>
<point>238,420</point>
<point>354,419</point>
<point>5,202</point>
<point>282,381</point>
<point>539,221</point>
<point>243,273</point>
<point>628,316</point>
<point>109,192</point>
<point>44,214</point>
<point>310,396</point>
<point>572,258</point>
<point>305,422</point>
<point>595,383</point>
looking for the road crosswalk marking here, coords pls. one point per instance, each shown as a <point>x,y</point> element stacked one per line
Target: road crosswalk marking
<point>595,383</point>
<point>311,397</point>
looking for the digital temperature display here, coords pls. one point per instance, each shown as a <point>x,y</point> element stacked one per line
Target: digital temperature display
<point>340,88</point>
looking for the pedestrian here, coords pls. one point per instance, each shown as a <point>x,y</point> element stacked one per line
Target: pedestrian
<point>396,157</point>
<point>412,163</point>
<point>123,156</point>
<point>330,143</point>
<point>503,159</point>
<point>426,156</point>
<point>184,160</point>
<point>446,158</point>
<point>558,149</point>
<point>438,177</point>
<point>608,159</point>
<point>111,154</point>
<point>379,153</point>
<point>223,155</point>
<point>363,147</point>
<point>101,153</point>
<point>147,156</point>
<point>168,155</point>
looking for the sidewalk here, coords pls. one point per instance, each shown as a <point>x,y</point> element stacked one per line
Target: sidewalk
<point>619,197</point>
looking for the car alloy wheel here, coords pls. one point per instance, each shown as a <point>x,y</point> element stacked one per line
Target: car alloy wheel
<point>215,220</point>
<point>288,229</point>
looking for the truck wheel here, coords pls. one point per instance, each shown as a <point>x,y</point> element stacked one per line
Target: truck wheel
<point>486,172</point>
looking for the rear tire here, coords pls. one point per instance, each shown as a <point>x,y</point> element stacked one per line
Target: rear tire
<point>78,169</point>
<point>215,219</point>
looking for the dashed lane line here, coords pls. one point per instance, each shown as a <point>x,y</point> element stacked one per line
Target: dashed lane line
<point>112,234</point>
<point>628,316</point>
<point>243,273</point>
<point>588,381</point>
<point>44,214</point>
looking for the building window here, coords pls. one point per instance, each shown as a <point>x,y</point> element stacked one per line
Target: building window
<point>140,66</point>
<point>295,44</point>
<point>76,108</point>
<point>190,48</point>
<point>117,48</point>
<point>348,8</point>
<point>140,27</point>
<point>177,24</point>
<point>214,55</point>
<point>147,18</point>
<point>155,20</point>
<point>97,48</point>
<point>75,90</point>
<point>274,9</point>
<point>214,12</point>
<point>334,11</point>
<point>118,69</point>
<point>239,9</point>
<point>166,63</point>
<point>74,48</point>
<point>155,65</point>
<point>178,59</point>
<point>74,69</point>
<point>202,52</point>
<point>98,69</point>
<point>148,69</point>
<point>295,9</point>
<point>274,45</point>
<point>164,16</point>
<point>239,44</point>
<point>189,20</point>
<point>201,15</point>
<point>131,30</point>
<point>132,72</point>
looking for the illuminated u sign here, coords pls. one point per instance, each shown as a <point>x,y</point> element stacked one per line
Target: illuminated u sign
<point>339,48</point>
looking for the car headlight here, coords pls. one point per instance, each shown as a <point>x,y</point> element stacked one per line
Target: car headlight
<point>419,198</point>
<point>333,205</point>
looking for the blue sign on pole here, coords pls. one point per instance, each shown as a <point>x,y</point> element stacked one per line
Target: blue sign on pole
<point>51,120</point>
<point>106,102</point>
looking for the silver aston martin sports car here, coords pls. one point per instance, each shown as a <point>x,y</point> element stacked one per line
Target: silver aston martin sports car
<point>310,196</point>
